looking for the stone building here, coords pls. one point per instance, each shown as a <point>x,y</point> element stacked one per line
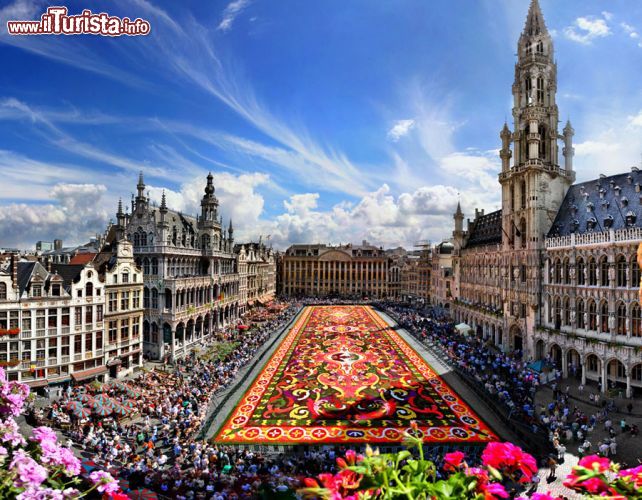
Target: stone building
<point>345,270</point>
<point>442,274</point>
<point>553,274</point>
<point>123,313</point>
<point>191,278</point>
<point>51,323</point>
<point>257,270</point>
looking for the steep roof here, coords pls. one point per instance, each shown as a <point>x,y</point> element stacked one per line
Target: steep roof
<point>486,230</point>
<point>82,258</point>
<point>613,202</point>
<point>68,272</point>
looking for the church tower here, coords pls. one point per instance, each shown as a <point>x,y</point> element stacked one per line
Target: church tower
<point>533,187</point>
<point>533,182</point>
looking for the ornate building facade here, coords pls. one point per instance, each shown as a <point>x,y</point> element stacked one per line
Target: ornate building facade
<point>257,269</point>
<point>553,274</point>
<point>348,270</point>
<point>442,274</point>
<point>192,284</point>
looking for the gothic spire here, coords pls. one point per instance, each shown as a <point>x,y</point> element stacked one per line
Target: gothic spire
<point>120,207</point>
<point>459,212</point>
<point>534,21</point>
<point>163,205</point>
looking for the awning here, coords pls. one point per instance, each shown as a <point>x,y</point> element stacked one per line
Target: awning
<point>463,328</point>
<point>115,362</point>
<point>37,383</point>
<point>87,374</point>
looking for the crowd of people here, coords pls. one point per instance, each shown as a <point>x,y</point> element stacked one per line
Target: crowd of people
<point>504,376</point>
<point>156,446</point>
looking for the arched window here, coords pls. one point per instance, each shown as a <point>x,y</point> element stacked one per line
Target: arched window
<point>143,238</point>
<point>566,271</point>
<point>154,266</point>
<point>89,290</point>
<point>566,315</point>
<point>580,314</point>
<point>636,373</point>
<point>604,317</point>
<point>558,271</point>
<point>592,363</point>
<point>522,230</point>
<point>146,298</point>
<point>540,47</point>
<point>636,320</point>
<point>154,298</point>
<point>557,313</point>
<point>512,197</point>
<point>635,273</point>
<point>592,272</point>
<point>522,195</point>
<point>604,271</point>
<point>528,86</point>
<point>580,273</point>
<point>146,266</point>
<point>540,90</point>
<point>136,240</point>
<point>621,319</point>
<point>542,141</point>
<point>621,271</point>
<point>3,291</point>
<point>592,315</point>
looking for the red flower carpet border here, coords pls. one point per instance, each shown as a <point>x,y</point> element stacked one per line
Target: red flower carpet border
<point>342,375</point>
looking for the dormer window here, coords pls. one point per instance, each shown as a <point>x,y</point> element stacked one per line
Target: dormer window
<point>630,218</point>
<point>617,190</point>
<point>624,200</point>
<point>629,179</point>
<point>637,187</point>
<point>574,209</point>
<point>602,192</point>
<point>606,204</point>
<point>575,224</point>
<point>608,222</point>
<point>590,206</point>
<point>36,290</point>
<point>55,290</point>
<point>591,223</point>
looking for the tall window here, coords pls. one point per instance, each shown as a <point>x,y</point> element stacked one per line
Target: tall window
<point>621,319</point>
<point>522,196</point>
<point>566,314</point>
<point>592,315</point>
<point>592,272</point>
<point>580,314</point>
<point>566,272</point>
<point>113,301</point>
<point>124,301</point>
<point>540,90</point>
<point>581,268</point>
<point>542,141</point>
<point>635,273</point>
<point>540,47</point>
<point>146,298</point>
<point>154,265</point>
<point>604,317</point>
<point>621,271</point>
<point>3,291</point>
<point>89,290</point>
<point>146,266</point>
<point>558,271</point>
<point>604,271</point>
<point>154,298</point>
<point>636,320</point>
<point>522,230</point>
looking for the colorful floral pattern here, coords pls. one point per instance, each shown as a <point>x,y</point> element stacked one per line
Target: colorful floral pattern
<point>342,375</point>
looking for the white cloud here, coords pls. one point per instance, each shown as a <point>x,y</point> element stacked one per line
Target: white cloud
<point>630,30</point>
<point>75,214</point>
<point>231,12</point>
<point>586,29</point>
<point>607,15</point>
<point>636,120</point>
<point>587,148</point>
<point>400,129</point>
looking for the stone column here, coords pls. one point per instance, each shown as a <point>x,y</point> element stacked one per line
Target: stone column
<point>628,383</point>
<point>583,365</point>
<point>564,364</point>
<point>604,380</point>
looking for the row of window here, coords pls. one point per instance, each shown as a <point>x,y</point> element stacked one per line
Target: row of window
<point>39,349</point>
<point>595,273</point>
<point>127,300</point>
<point>593,317</point>
<point>50,318</point>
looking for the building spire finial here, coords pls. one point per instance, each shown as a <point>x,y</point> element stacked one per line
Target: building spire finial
<point>535,20</point>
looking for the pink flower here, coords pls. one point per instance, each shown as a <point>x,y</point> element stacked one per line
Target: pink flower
<point>352,458</point>
<point>506,457</point>
<point>37,493</point>
<point>29,472</point>
<point>594,485</point>
<point>104,481</point>
<point>493,490</point>
<point>632,475</point>
<point>12,398</point>
<point>453,460</point>
<point>10,433</point>
<point>596,463</point>
<point>540,496</point>
<point>42,434</point>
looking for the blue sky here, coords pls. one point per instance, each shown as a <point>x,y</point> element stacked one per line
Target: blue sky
<point>326,121</point>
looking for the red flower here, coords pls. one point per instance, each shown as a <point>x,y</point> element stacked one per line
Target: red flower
<point>117,496</point>
<point>493,490</point>
<point>594,485</point>
<point>352,458</point>
<point>310,482</point>
<point>596,463</point>
<point>453,460</point>
<point>348,479</point>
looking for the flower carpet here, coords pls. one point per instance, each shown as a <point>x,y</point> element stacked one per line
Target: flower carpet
<point>342,375</point>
